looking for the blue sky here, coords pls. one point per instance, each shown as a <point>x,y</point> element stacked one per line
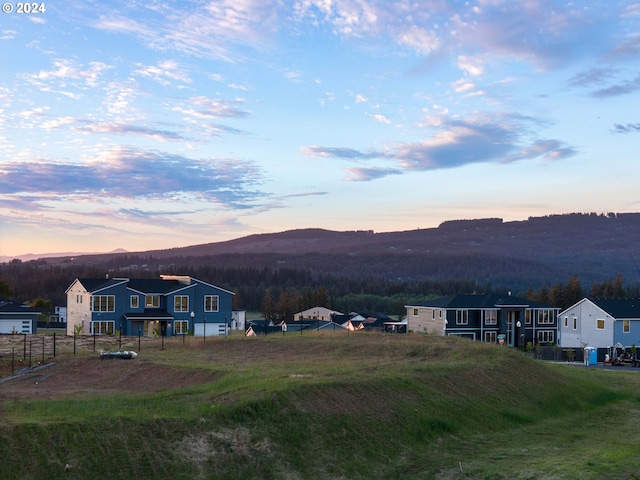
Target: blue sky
<point>144,125</point>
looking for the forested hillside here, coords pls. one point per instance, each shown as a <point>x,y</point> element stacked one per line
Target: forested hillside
<point>368,271</point>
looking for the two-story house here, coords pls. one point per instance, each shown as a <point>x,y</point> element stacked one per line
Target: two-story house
<point>496,318</point>
<point>167,306</point>
<point>600,323</point>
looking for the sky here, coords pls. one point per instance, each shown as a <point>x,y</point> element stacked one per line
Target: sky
<point>161,124</point>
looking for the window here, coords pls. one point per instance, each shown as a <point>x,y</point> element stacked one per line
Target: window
<point>566,322</point>
<point>134,301</point>
<point>181,327</point>
<point>433,314</point>
<point>545,316</point>
<point>575,323</point>
<point>78,298</point>
<point>103,303</point>
<point>491,317</point>
<point>546,336</point>
<point>626,326</point>
<point>103,327</point>
<point>528,315</point>
<point>152,301</point>
<point>600,323</point>
<point>415,312</point>
<point>181,303</point>
<point>462,317</point>
<point>490,337</point>
<point>211,303</point>
<point>439,313</point>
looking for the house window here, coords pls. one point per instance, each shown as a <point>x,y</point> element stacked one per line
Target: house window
<point>546,336</point>
<point>439,313</point>
<point>181,303</point>
<point>528,315</point>
<point>490,337</point>
<point>433,314</point>
<point>104,327</point>
<point>575,323</point>
<point>181,327</point>
<point>415,312</point>
<point>78,298</point>
<point>491,317</point>
<point>211,303</point>
<point>103,303</point>
<point>626,326</point>
<point>600,323</point>
<point>462,317</point>
<point>134,301</point>
<point>566,322</point>
<point>545,316</point>
<point>152,301</point>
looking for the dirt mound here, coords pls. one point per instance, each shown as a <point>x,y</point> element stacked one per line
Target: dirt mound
<point>90,377</point>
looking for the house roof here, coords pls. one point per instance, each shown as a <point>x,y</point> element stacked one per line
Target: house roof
<point>618,307</point>
<point>154,285</point>
<point>490,300</point>
<point>158,286</point>
<point>8,306</point>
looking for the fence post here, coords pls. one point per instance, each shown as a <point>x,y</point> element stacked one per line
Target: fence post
<point>43,349</point>
<point>54,344</point>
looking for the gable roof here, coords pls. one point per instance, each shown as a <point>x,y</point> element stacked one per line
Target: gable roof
<point>618,307</point>
<point>160,286</point>
<point>474,301</point>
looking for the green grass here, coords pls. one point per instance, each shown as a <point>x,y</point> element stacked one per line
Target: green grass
<point>354,406</point>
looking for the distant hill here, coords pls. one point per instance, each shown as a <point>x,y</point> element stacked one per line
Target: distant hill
<point>539,250</point>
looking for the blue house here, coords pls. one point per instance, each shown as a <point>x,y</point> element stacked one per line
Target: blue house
<point>493,318</point>
<point>167,306</point>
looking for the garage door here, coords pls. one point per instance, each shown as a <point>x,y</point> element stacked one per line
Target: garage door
<point>15,326</point>
<point>213,329</point>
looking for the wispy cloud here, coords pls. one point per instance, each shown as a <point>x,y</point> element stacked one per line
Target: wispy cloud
<point>628,128</point>
<point>455,143</point>
<point>134,174</point>
<point>623,88</point>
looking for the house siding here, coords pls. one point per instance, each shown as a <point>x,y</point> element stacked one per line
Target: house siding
<point>143,320</point>
<point>586,332</point>
<point>427,320</point>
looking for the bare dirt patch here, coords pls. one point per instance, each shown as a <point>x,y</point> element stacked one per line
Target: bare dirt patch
<point>92,376</point>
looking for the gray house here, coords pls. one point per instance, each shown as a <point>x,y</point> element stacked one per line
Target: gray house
<point>600,323</point>
<point>17,318</point>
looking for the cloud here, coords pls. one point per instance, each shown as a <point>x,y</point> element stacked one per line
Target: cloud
<point>205,107</point>
<point>593,76</point>
<point>624,88</point>
<point>380,118</point>
<point>628,128</point>
<point>132,174</point>
<point>454,143</point>
<point>337,152</point>
<point>361,174</point>
<point>164,72</point>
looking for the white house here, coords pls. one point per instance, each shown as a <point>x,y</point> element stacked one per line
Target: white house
<point>316,313</point>
<point>600,323</point>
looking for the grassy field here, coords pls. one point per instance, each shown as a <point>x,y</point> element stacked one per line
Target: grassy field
<point>356,406</point>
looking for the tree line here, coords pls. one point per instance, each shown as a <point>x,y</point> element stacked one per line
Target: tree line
<point>279,292</point>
